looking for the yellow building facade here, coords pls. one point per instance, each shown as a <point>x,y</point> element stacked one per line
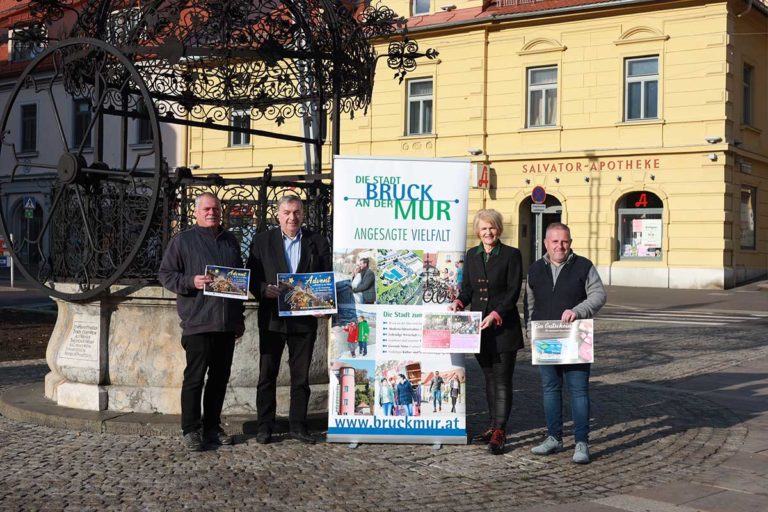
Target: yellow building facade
<point>645,123</point>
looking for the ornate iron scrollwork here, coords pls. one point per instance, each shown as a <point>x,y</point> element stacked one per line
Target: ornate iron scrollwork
<point>189,62</point>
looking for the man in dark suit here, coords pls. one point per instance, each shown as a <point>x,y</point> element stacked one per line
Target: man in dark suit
<point>290,249</point>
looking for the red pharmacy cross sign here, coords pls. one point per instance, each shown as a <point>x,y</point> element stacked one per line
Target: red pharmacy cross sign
<point>538,195</point>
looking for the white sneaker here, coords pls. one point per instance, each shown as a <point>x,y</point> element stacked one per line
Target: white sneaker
<point>581,453</point>
<point>550,445</point>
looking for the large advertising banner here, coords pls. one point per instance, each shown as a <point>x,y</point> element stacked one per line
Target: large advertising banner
<point>399,237</point>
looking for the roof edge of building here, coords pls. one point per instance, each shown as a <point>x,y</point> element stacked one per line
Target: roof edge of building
<point>496,18</point>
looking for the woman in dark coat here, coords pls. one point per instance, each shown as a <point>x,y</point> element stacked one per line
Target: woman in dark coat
<point>405,394</point>
<point>493,274</point>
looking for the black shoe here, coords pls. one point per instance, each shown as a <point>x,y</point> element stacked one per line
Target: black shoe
<point>303,436</point>
<point>218,437</point>
<point>192,441</point>
<point>263,437</point>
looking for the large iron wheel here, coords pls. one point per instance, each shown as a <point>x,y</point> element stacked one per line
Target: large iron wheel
<point>101,187</point>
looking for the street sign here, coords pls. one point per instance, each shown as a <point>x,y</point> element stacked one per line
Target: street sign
<point>538,208</point>
<point>29,203</point>
<point>538,195</point>
<point>4,261</point>
<point>29,214</point>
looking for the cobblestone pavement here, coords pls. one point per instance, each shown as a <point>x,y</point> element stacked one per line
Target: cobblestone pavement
<point>645,433</point>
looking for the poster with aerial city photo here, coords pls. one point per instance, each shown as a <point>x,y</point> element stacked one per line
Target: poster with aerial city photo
<point>399,238</point>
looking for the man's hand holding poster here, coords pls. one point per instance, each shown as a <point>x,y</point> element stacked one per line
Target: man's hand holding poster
<point>231,283</point>
<point>556,342</point>
<point>306,294</point>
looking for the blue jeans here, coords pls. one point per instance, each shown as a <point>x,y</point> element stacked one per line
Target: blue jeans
<point>387,407</point>
<point>576,377</point>
<point>437,399</point>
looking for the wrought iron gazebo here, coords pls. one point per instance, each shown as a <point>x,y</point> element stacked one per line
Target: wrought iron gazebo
<point>180,62</point>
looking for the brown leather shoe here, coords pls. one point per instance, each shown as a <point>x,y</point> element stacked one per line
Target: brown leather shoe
<point>498,439</point>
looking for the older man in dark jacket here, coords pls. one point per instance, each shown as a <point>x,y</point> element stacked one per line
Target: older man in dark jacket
<point>209,324</point>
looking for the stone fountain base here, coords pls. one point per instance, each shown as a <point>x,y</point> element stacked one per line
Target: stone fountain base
<point>123,353</point>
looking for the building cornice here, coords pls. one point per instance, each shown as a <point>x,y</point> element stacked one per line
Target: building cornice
<point>491,17</point>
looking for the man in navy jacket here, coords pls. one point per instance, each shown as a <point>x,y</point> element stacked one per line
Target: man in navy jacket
<point>566,287</point>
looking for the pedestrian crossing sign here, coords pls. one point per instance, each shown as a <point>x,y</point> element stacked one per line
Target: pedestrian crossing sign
<point>29,203</point>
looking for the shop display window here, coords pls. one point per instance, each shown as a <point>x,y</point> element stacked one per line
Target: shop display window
<point>640,221</point>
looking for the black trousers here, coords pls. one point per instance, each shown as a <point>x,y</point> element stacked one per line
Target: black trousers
<point>271,346</point>
<point>209,353</point>
<point>498,370</point>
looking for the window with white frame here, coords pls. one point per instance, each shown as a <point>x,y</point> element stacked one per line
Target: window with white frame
<point>419,120</point>
<point>81,121</point>
<point>748,87</point>
<point>748,217</point>
<point>25,43</point>
<point>641,77</point>
<point>542,96</point>
<point>240,120</point>
<point>419,7</point>
<point>28,142</point>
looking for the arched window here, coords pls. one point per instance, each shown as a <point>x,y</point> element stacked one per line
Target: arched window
<point>640,226</point>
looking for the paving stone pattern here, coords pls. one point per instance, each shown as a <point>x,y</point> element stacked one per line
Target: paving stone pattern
<point>644,434</point>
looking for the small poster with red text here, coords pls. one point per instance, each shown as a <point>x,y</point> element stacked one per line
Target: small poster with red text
<point>451,332</point>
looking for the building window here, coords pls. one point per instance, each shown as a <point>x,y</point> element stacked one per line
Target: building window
<point>346,389</point>
<point>242,121</point>
<point>419,107</point>
<point>25,43</point>
<point>29,128</point>
<point>748,86</point>
<point>82,120</point>
<point>640,226</point>
<point>748,216</point>
<point>419,7</point>
<point>346,401</point>
<point>143,125</point>
<point>642,88</point>
<point>542,96</point>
